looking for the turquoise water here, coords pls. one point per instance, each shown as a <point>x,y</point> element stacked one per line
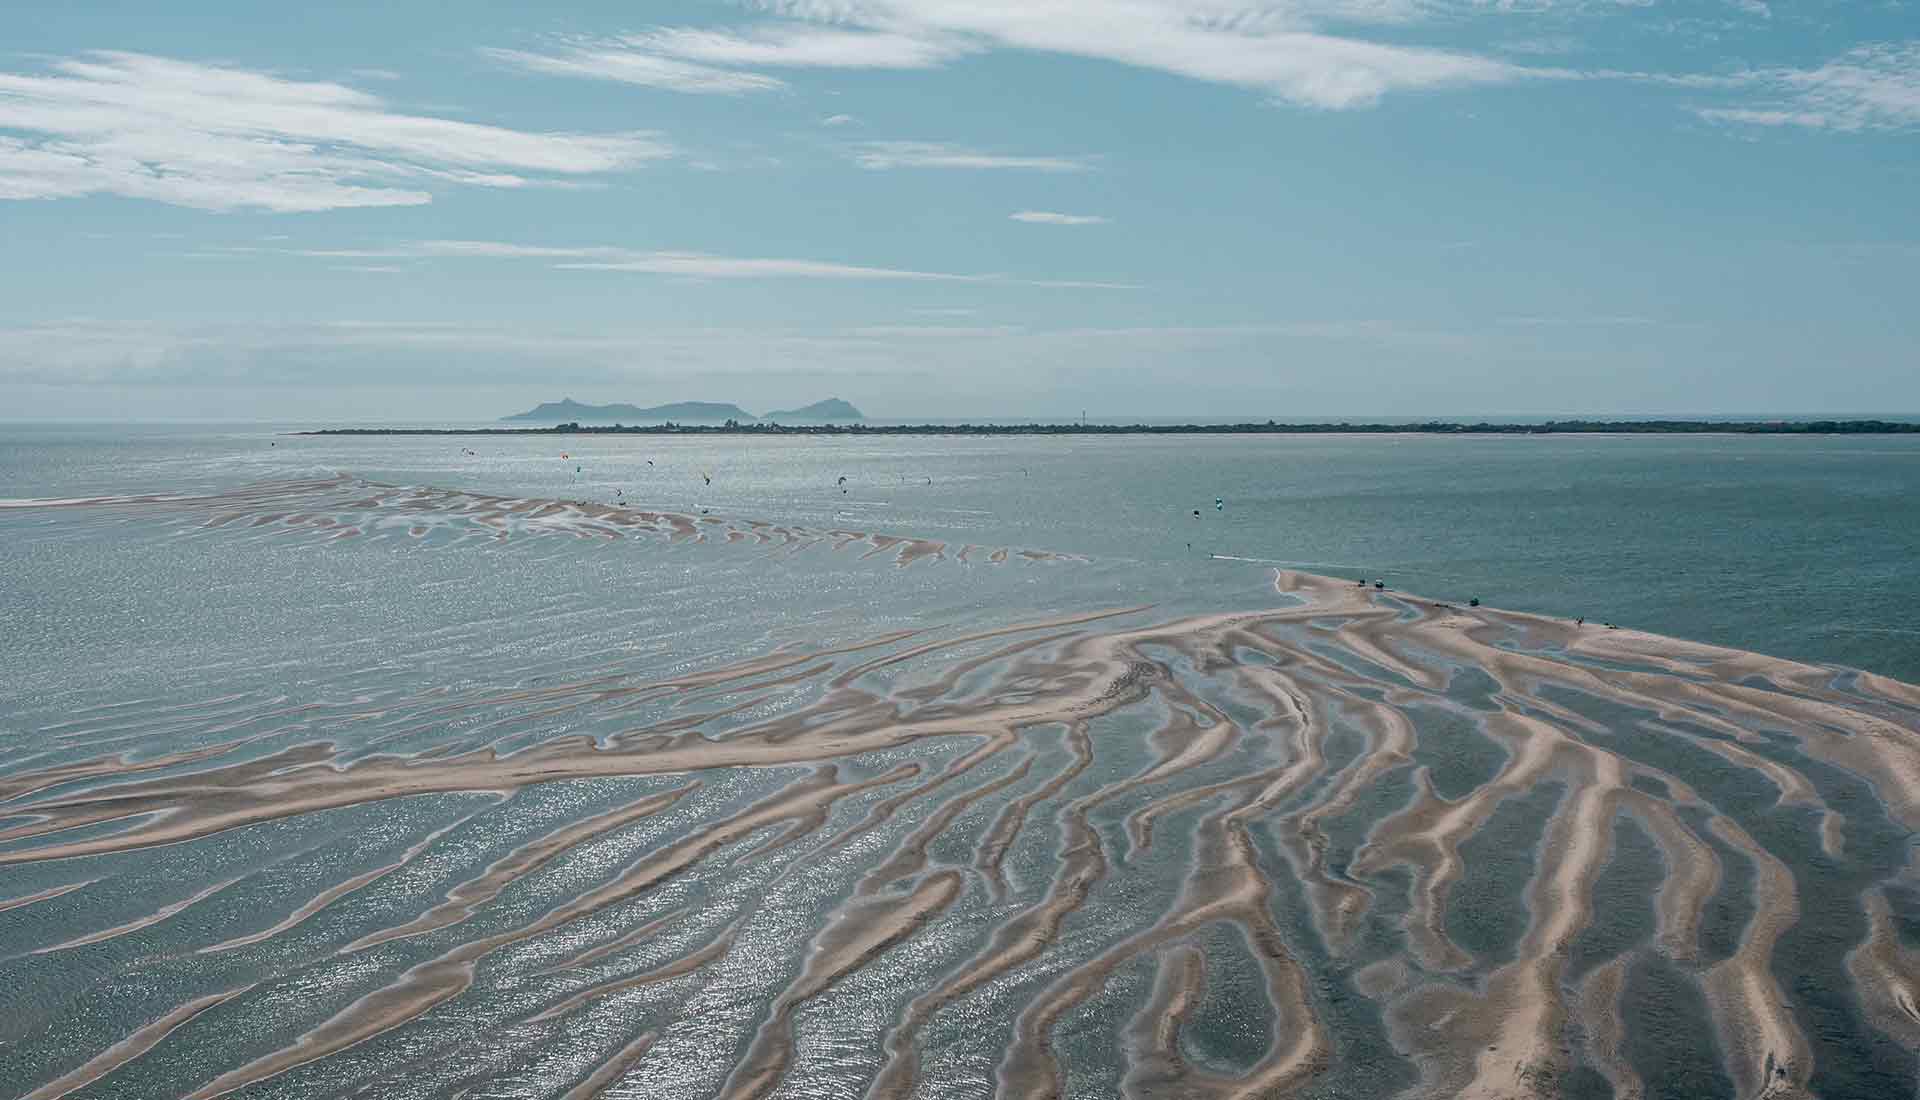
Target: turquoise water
<point>367,766</point>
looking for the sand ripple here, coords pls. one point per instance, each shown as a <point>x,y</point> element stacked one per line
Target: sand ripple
<point>1339,843</point>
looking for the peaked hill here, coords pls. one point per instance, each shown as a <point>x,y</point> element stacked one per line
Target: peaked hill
<point>831,409</point>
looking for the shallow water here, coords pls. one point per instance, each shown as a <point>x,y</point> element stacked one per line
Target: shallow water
<point>365,765</point>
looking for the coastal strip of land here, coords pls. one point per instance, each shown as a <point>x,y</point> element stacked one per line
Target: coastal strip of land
<point>1245,429</point>
<point>1269,427</point>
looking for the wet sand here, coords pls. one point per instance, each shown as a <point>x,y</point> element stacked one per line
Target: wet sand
<point>1004,848</point>
<point>344,506</point>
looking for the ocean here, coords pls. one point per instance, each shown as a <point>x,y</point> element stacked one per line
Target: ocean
<point>636,766</point>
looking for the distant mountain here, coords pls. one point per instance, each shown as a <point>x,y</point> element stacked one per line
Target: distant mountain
<point>567,410</point>
<point>832,409</point>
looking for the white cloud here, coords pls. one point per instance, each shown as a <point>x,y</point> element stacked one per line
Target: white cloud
<point>934,332</point>
<point>505,250</point>
<point>700,265</point>
<point>883,155</point>
<point>686,264</point>
<point>838,120</point>
<point>1080,284</point>
<point>804,46</point>
<point>83,352</point>
<point>1048,217</point>
<point>692,60</point>
<point>219,138</point>
<point>1870,88</point>
<point>1277,48</point>
<point>1269,47</point>
<point>1600,321</point>
<point>604,62</point>
<point>1750,116</point>
<point>1541,45</point>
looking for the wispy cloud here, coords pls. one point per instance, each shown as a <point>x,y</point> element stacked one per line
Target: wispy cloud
<point>610,258</point>
<point>1048,217</point>
<point>1873,87</point>
<point>1599,321</point>
<point>799,45</point>
<point>220,138</point>
<point>685,264</point>
<point>1274,48</point>
<point>510,251</point>
<point>602,62</point>
<point>1312,53</point>
<point>703,60</point>
<point>1078,284</point>
<point>838,120</point>
<point>700,265</point>
<point>935,332</point>
<point>83,352</point>
<point>694,265</point>
<point>884,155</point>
<point>1278,49</point>
<point>1541,45</point>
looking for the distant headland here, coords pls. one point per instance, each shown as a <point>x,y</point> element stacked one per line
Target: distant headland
<point>568,411</point>
<point>832,409</point>
<point>740,425</point>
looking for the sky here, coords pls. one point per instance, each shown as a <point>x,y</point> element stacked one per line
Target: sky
<point>933,208</point>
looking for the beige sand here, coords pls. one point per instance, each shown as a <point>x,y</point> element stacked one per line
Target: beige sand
<point>993,700</point>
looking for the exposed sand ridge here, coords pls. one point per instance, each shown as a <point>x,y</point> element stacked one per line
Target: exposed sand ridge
<point>1048,828</point>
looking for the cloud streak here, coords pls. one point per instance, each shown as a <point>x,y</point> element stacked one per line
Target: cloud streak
<point>700,265</point>
<point>1874,87</point>
<point>219,138</point>
<point>1270,48</point>
<point>680,263</point>
<point>615,63</point>
<point>881,156</point>
<point>1277,49</point>
<point>85,352</point>
<point>1049,217</point>
<point>1300,52</point>
<point>708,61</point>
<point>804,46</point>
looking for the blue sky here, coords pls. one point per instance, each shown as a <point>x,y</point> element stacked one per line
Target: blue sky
<point>1008,207</point>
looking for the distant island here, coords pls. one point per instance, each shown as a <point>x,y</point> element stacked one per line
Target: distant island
<point>740,426</point>
<point>832,409</point>
<point>568,411</point>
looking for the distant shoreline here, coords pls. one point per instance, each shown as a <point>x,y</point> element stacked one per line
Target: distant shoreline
<point>1270,427</point>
